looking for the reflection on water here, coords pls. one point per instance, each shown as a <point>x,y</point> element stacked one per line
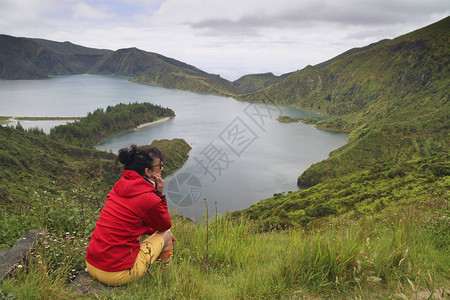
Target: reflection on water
<point>240,153</point>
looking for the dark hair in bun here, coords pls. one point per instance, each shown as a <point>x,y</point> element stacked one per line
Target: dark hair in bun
<point>137,159</point>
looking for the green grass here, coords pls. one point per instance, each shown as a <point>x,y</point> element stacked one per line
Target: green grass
<point>404,254</point>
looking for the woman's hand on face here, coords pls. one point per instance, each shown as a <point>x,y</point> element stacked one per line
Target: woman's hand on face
<point>159,184</point>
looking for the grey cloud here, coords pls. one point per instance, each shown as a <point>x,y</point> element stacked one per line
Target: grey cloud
<point>353,13</point>
<point>226,27</point>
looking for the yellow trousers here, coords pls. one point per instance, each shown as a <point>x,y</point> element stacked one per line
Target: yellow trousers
<point>150,250</point>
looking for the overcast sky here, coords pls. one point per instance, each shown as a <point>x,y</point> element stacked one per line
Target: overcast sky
<point>227,37</point>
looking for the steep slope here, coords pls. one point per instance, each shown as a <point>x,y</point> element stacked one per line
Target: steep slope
<point>392,98</point>
<point>349,52</point>
<point>127,62</point>
<point>75,59</point>
<point>18,59</point>
<point>374,193</point>
<point>156,69</point>
<point>23,58</point>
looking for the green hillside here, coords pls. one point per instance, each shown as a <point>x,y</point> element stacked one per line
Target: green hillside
<point>23,58</point>
<point>349,52</point>
<point>255,82</point>
<point>126,62</point>
<point>155,69</point>
<point>18,59</point>
<point>211,84</point>
<point>375,194</point>
<point>392,99</point>
<point>286,119</point>
<point>38,173</point>
<point>41,176</point>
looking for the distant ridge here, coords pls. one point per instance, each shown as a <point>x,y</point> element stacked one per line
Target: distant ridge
<point>67,48</point>
<point>156,69</point>
<point>27,58</point>
<point>20,59</point>
<point>24,58</point>
<point>255,82</point>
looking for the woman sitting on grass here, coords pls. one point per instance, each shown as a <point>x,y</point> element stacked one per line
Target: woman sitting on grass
<point>119,250</point>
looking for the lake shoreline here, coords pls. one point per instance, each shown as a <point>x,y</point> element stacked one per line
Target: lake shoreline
<point>42,118</point>
<point>154,122</point>
<point>226,135</point>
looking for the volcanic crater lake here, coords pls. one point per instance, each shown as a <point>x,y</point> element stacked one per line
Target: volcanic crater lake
<point>240,153</point>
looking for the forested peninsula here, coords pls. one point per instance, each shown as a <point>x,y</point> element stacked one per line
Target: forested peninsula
<point>102,123</point>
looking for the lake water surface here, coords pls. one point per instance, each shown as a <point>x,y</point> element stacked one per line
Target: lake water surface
<point>240,153</point>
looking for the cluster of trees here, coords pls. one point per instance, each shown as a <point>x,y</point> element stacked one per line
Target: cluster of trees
<point>101,123</point>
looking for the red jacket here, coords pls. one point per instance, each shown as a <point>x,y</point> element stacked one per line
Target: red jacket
<point>131,209</point>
